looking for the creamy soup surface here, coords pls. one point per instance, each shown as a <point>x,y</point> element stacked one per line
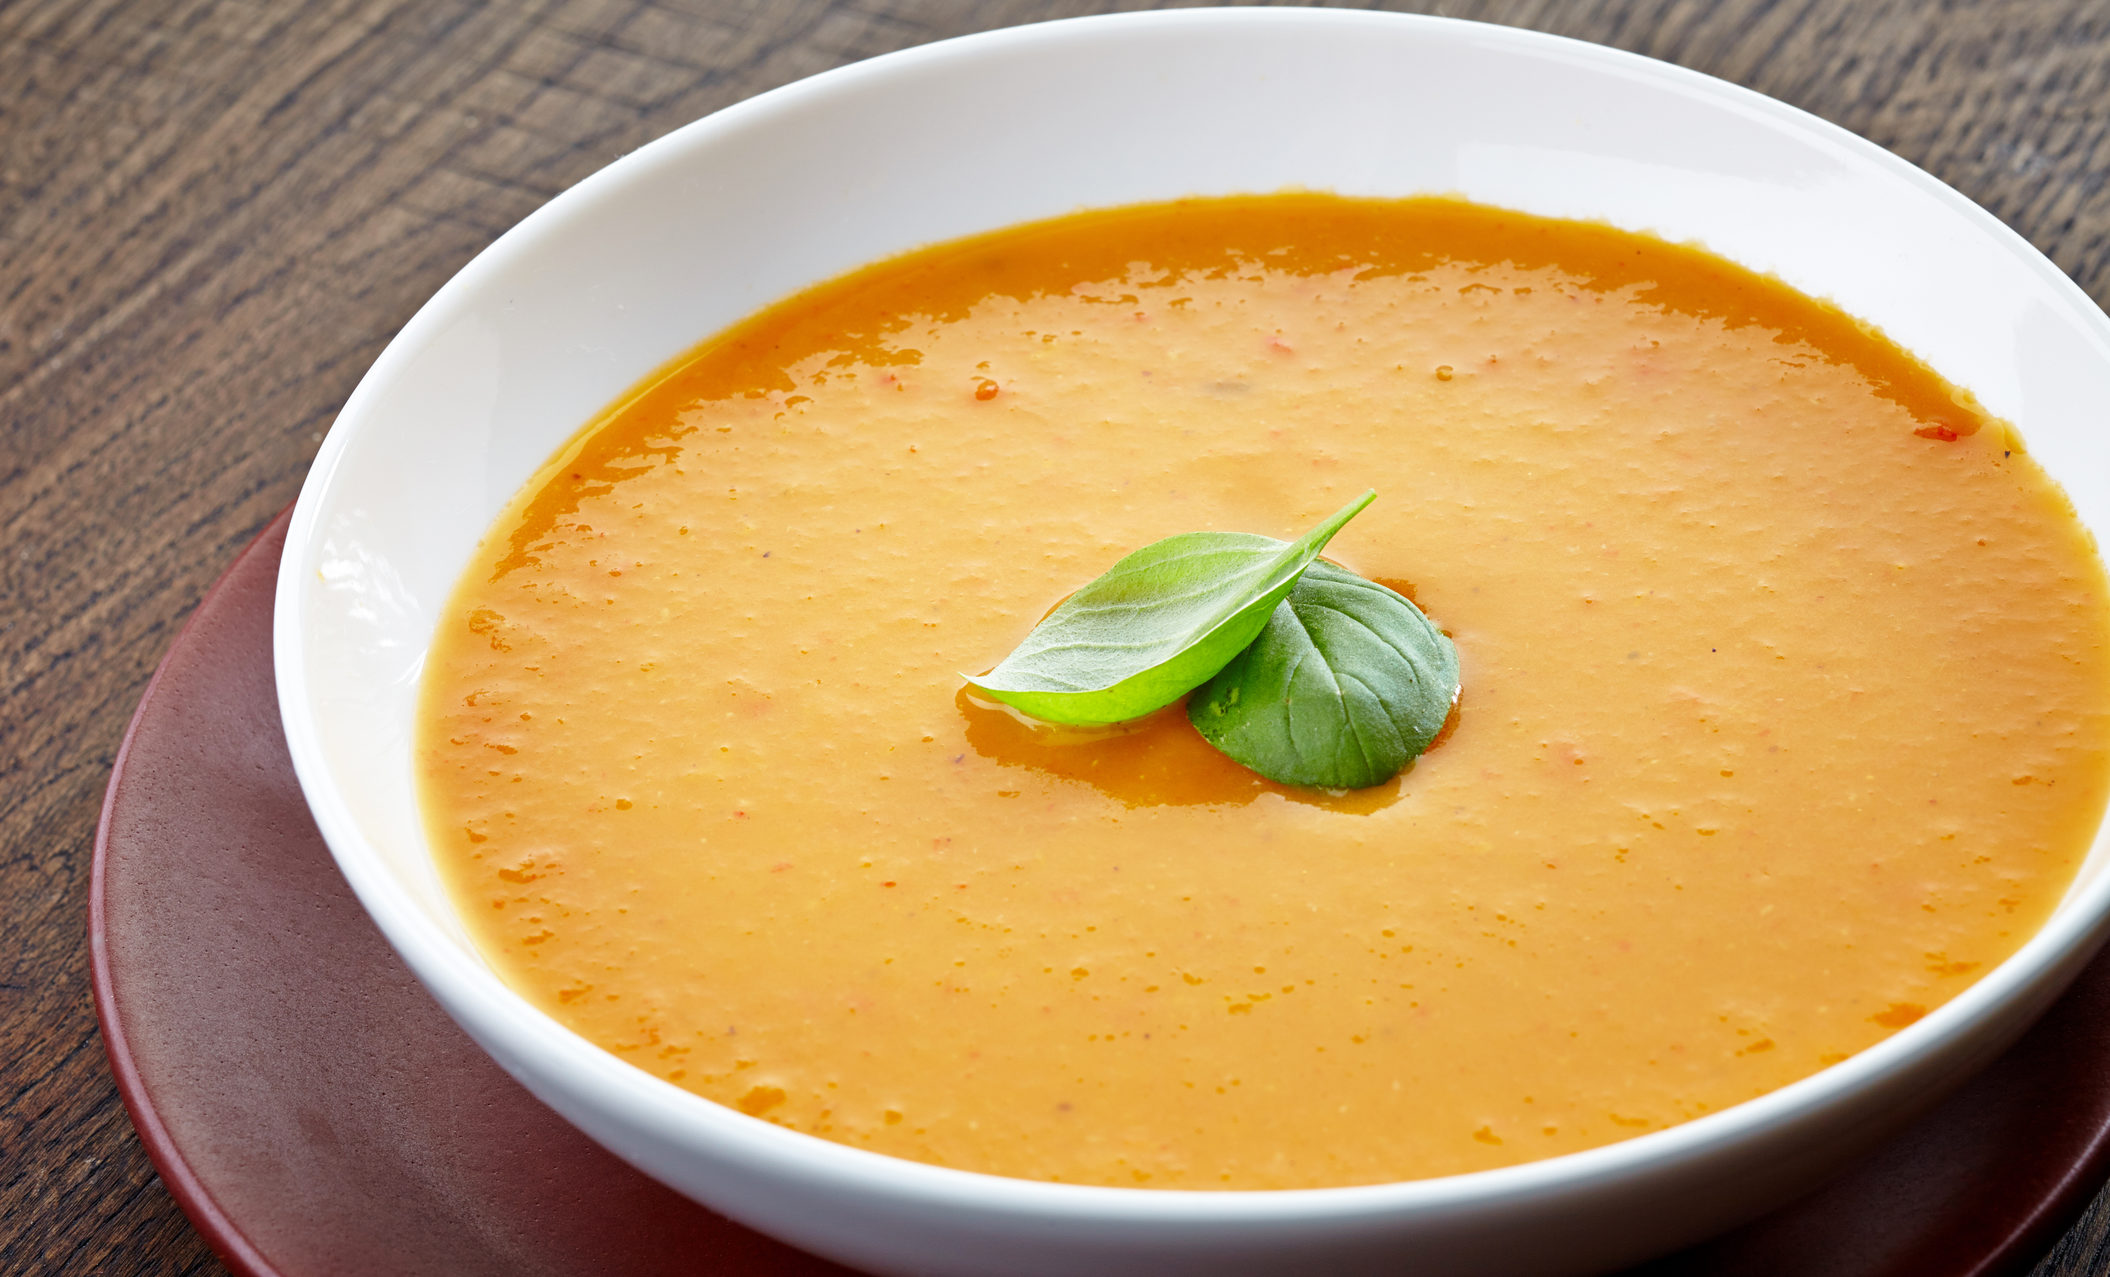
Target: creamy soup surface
<point>1785,710</point>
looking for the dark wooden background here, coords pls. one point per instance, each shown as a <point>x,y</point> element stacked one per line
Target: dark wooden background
<point>214,213</point>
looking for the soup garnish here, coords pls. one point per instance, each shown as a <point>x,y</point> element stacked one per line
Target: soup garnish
<point>1338,682</point>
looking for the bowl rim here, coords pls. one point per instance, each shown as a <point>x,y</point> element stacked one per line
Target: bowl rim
<point>2076,927</point>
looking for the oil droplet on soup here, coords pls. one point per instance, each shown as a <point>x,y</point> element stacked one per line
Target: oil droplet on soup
<point>1784,715</point>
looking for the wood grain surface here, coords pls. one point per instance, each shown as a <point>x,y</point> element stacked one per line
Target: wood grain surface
<point>214,213</point>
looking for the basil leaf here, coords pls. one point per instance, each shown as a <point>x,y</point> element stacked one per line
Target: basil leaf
<point>1155,625</point>
<point>1346,685</point>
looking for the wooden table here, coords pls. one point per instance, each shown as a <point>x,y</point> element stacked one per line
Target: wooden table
<point>213,213</point>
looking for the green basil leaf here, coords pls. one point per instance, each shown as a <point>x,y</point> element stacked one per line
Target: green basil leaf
<point>1347,684</point>
<point>1155,625</point>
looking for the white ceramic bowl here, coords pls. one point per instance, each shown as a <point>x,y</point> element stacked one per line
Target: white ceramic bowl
<point>671,243</point>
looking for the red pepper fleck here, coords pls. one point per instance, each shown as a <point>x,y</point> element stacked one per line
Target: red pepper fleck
<point>1943,433</point>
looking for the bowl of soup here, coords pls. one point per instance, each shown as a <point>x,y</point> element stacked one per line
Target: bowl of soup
<point>1755,476</point>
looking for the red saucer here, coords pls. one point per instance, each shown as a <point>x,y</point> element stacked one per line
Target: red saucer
<point>314,1112</point>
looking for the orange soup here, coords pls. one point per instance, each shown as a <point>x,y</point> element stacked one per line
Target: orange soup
<point>1785,709</point>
